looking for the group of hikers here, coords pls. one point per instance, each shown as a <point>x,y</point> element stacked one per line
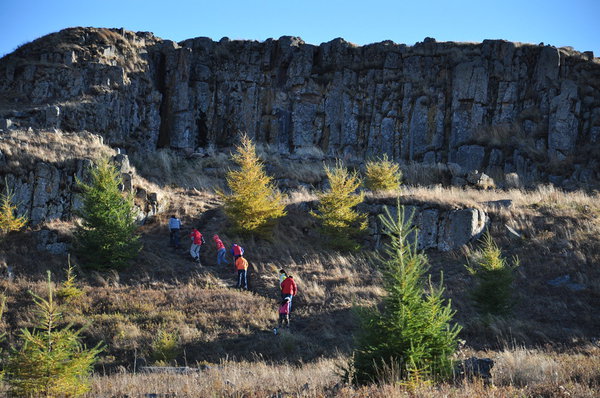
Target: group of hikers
<point>287,283</point>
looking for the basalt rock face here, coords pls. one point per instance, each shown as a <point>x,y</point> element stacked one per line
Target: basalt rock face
<point>442,229</point>
<point>498,107</point>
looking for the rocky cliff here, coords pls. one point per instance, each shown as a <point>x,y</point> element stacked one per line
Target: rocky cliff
<point>496,106</point>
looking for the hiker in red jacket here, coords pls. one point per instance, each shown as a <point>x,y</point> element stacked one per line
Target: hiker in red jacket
<point>197,241</point>
<point>289,289</point>
<point>237,250</point>
<point>220,250</point>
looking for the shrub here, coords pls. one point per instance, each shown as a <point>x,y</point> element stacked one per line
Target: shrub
<point>51,361</point>
<point>493,279</point>
<point>339,222</point>
<point>9,221</point>
<point>165,347</point>
<point>69,290</point>
<point>106,238</point>
<point>254,203</point>
<point>382,175</point>
<point>409,337</point>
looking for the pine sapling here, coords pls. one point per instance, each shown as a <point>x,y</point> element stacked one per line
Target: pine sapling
<point>340,223</point>
<point>382,175</point>
<point>106,237</point>
<point>494,276</point>
<point>51,360</point>
<point>410,337</point>
<point>254,204</point>
<point>9,220</point>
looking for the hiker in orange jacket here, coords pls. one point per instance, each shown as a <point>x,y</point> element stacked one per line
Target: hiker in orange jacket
<point>220,250</point>
<point>289,289</point>
<point>242,267</point>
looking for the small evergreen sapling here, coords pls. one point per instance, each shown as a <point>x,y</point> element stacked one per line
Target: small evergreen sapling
<point>254,203</point>
<point>9,221</point>
<point>339,221</point>
<point>106,238</point>
<point>494,276</point>
<point>166,347</point>
<point>69,290</point>
<point>382,175</point>
<point>410,337</point>
<point>51,361</point>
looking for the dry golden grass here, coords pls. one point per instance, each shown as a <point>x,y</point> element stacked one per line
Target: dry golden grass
<point>544,195</point>
<point>170,168</point>
<point>23,149</point>
<point>227,378</point>
<point>517,372</point>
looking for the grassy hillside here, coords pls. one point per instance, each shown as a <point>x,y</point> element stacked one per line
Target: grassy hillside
<point>547,347</point>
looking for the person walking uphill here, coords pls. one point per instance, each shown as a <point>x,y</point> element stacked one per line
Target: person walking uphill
<point>197,241</point>
<point>289,289</point>
<point>242,268</point>
<point>220,250</point>
<point>174,227</point>
<point>284,314</point>
<point>237,250</point>
<point>282,276</point>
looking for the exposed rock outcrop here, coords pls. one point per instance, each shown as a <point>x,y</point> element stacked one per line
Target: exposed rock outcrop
<point>498,107</point>
<point>439,228</point>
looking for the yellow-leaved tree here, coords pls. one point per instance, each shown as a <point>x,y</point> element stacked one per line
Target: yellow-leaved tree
<point>382,175</point>
<point>254,203</point>
<point>339,222</point>
<point>9,221</point>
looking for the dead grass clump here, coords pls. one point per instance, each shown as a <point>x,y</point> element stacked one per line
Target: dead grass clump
<point>522,367</point>
<point>300,196</point>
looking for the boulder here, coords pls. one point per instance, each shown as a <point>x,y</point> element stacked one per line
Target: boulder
<point>5,124</point>
<point>459,227</point>
<point>475,368</point>
<point>121,162</point>
<point>480,180</point>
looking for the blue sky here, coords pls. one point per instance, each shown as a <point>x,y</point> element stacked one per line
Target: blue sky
<point>573,23</point>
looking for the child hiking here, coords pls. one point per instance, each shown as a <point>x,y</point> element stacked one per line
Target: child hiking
<point>197,241</point>
<point>220,250</point>
<point>284,314</point>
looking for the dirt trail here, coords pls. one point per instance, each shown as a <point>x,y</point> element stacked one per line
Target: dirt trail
<point>206,215</point>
